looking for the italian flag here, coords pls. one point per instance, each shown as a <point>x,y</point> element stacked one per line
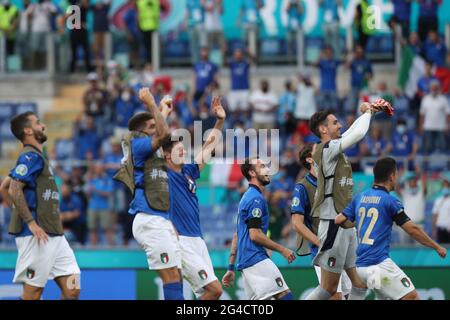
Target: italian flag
<point>412,68</point>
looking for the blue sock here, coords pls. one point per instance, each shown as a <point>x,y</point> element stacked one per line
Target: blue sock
<point>173,291</point>
<point>288,296</point>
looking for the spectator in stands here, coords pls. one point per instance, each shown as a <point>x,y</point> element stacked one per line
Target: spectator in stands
<point>197,36</point>
<point>9,21</point>
<point>364,23</point>
<point>205,74</point>
<point>428,17</point>
<point>126,105</point>
<point>111,163</point>
<point>294,11</point>
<point>353,152</point>
<point>23,36</point>
<point>130,19</point>
<point>289,162</point>
<point>434,119</point>
<point>71,209</point>
<point>414,42</point>
<point>100,188</point>
<point>374,145</point>
<point>413,193</point>
<point>184,108</point>
<point>79,37</point>
<point>434,49</point>
<point>213,25</point>
<point>328,66</point>
<point>402,16</point>
<point>263,103</point>
<point>383,121</point>
<point>249,18</point>
<point>101,27</point>
<point>423,88</point>
<point>285,112</point>
<point>331,24</point>
<point>40,14</point>
<point>240,82</point>
<point>441,213</point>
<point>404,145</point>
<point>149,12</point>
<point>305,105</point>
<point>95,101</point>
<point>87,138</point>
<point>361,73</point>
<point>401,103</point>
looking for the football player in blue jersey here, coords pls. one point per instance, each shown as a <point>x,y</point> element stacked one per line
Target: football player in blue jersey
<point>262,278</point>
<point>373,212</point>
<point>184,211</point>
<point>303,222</point>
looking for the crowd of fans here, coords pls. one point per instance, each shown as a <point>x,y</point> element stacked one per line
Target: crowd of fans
<point>93,204</point>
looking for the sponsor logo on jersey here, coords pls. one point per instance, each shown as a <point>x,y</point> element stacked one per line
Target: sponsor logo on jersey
<point>202,274</point>
<point>406,283</point>
<point>21,170</point>
<point>257,213</point>
<point>164,257</point>
<point>279,282</point>
<point>30,273</point>
<point>331,262</point>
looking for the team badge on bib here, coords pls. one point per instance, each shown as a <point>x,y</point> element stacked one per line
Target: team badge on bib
<point>30,273</point>
<point>164,258</point>
<point>331,262</point>
<point>279,282</point>
<point>21,170</point>
<point>406,283</point>
<point>257,213</point>
<point>202,274</point>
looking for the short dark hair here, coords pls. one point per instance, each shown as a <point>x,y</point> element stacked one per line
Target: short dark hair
<point>383,169</point>
<point>317,119</point>
<point>247,166</point>
<point>19,123</point>
<point>137,122</point>
<point>305,152</point>
<point>170,143</point>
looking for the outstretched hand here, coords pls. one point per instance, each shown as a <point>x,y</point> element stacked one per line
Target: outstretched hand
<point>217,108</point>
<point>146,97</point>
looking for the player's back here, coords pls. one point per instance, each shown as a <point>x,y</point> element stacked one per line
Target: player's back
<point>252,206</point>
<point>374,211</point>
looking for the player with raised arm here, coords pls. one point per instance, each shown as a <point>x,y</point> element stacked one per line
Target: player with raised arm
<point>197,268</point>
<point>373,212</point>
<point>262,278</point>
<point>302,221</point>
<point>334,192</point>
<point>43,251</point>
<point>144,171</point>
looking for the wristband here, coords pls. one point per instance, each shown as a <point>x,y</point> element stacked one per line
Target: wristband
<point>231,267</point>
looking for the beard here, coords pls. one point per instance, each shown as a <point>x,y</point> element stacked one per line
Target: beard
<point>40,136</point>
<point>264,180</point>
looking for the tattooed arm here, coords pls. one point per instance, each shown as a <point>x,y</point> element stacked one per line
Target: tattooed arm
<point>20,203</point>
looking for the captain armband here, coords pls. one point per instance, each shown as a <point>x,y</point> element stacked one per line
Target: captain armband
<point>254,223</point>
<point>401,218</point>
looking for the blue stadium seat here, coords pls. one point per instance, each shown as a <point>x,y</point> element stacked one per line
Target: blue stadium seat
<point>64,149</point>
<point>7,111</point>
<point>26,106</point>
<point>5,131</point>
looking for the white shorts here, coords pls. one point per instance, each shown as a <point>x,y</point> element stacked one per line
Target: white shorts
<point>263,280</point>
<point>157,236</point>
<point>238,100</point>
<point>38,263</point>
<point>344,286</point>
<point>196,264</point>
<point>387,280</point>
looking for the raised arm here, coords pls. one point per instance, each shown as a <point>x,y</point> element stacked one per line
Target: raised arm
<point>213,138</point>
<point>162,129</point>
<point>358,129</point>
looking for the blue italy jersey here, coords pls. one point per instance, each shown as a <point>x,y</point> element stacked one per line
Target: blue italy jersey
<point>204,72</point>
<point>240,75</point>
<point>252,206</point>
<point>141,149</point>
<point>374,211</point>
<point>184,210</point>
<point>301,205</point>
<point>29,166</point>
<point>328,68</point>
